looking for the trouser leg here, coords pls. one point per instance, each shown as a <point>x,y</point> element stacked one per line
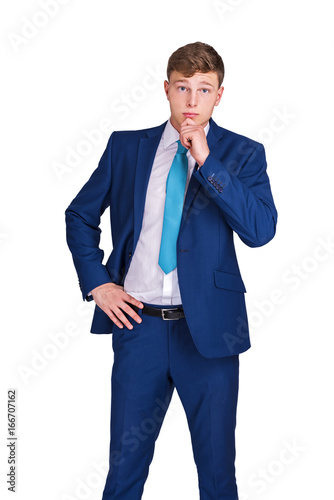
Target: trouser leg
<point>141,393</point>
<point>208,390</point>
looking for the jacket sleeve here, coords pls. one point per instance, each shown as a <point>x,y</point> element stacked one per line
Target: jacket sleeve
<point>82,225</point>
<point>243,194</point>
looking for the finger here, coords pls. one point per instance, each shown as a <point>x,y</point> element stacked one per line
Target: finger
<point>121,317</point>
<point>132,300</point>
<point>185,141</point>
<point>189,127</point>
<point>187,132</point>
<point>128,309</point>
<point>114,319</point>
<point>192,131</point>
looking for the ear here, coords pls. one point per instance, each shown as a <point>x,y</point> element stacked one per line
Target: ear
<point>219,95</point>
<point>166,87</point>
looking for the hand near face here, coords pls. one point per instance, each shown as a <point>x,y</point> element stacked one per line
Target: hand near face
<point>192,136</point>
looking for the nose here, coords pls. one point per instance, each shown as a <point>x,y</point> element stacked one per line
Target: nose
<point>192,99</point>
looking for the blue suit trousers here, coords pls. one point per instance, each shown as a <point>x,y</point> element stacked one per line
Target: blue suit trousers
<point>149,362</point>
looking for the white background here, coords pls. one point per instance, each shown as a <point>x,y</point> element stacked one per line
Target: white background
<point>89,62</point>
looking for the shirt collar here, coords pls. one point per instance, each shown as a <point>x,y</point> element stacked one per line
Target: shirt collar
<point>171,135</point>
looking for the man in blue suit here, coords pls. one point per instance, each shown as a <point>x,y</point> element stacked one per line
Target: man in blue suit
<point>171,292</point>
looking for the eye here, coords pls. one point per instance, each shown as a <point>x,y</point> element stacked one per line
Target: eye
<point>205,91</point>
<point>182,89</point>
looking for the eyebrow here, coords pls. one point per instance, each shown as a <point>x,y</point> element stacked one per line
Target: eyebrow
<point>203,82</point>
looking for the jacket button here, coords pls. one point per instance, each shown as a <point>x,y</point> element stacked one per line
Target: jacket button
<point>210,178</point>
<point>220,190</point>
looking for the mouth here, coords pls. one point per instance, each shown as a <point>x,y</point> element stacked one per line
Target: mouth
<point>190,115</point>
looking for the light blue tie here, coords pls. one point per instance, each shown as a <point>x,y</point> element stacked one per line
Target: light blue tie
<point>175,187</point>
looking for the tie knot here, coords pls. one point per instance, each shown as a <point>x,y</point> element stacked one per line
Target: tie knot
<point>181,149</point>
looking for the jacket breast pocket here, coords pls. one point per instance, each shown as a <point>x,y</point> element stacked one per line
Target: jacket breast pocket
<point>229,281</point>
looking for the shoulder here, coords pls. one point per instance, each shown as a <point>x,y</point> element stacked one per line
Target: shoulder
<point>228,137</point>
<point>134,135</point>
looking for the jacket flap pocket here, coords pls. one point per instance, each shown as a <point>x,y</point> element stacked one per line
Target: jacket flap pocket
<point>229,281</point>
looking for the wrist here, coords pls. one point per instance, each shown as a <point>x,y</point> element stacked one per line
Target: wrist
<point>201,160</point>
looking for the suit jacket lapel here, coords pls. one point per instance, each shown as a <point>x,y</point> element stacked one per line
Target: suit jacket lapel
<point>146,153</point>
<point>145,158</point>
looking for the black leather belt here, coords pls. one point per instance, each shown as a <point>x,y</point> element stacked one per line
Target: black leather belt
<point>166,314</point>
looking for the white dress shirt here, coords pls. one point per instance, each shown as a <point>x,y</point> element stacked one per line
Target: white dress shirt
<point>145,280</point>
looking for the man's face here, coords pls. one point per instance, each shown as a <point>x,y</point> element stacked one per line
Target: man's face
<point>192,97</point>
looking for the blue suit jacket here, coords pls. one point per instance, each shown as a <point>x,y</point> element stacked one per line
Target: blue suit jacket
<point>229,193</point>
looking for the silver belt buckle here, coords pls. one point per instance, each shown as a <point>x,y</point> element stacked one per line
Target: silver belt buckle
<point>163,315</point>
